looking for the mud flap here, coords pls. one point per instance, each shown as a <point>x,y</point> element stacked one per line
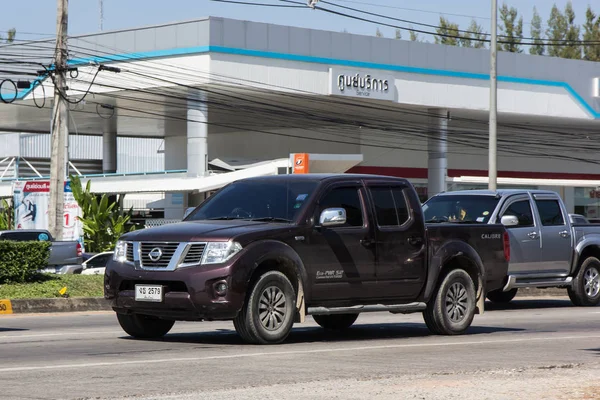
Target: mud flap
<point>480,305</point>
<point>300,308</point>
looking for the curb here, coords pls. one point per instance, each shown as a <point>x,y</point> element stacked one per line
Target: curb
<point>35,306</point>
<point>82,304</point>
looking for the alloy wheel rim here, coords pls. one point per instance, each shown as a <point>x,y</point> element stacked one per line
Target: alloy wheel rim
<point>591,282</point>
<point>272,308</point>
<point>456,302</point>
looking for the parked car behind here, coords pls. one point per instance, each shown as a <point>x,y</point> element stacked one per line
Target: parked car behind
<point>65,256</point>
<point>96,264</point>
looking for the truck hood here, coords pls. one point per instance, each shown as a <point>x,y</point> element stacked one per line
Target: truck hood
<point>196,231</point>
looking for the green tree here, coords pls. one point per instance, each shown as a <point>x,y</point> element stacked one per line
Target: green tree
<point>511,29</point>
<point>538,47</point>
<point>414,36</point>
<point>473,37</point>
<point>103,221</point>
<point>447,33</point>
<point>11,36</point>
<point>556,31</point>
<point>398,34</point>
<point>6,215</point>
<point>591,52</point>
<point>572,48</point>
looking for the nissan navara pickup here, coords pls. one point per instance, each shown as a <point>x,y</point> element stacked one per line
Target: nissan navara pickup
<point>547,249</point>
<point>265,252</point>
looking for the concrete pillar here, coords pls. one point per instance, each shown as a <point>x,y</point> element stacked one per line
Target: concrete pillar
<point>175,159</point>
<point>109,146</point>
<point>197,135</point>
<point>437,149</point>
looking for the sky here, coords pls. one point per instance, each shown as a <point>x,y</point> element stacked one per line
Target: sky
<point>33,18</point>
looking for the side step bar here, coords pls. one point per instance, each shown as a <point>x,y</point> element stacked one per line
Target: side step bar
<point>394,309</point>
<point>513,282</point>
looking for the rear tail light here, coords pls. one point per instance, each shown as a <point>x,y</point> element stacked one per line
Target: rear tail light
<point>506,243</point>
<point>79,250</point>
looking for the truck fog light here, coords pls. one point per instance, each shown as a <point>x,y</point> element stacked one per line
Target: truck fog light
<point>221,288</point>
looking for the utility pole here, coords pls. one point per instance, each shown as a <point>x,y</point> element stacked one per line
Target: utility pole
<point>60,126</point>
<point>101,13</point>
<point>492,166</point>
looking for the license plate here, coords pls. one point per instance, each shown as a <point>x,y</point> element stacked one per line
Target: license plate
<point>149,293</point>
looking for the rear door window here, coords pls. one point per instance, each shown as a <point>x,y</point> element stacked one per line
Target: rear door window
<point>550,212</point>
<point>390,206</point>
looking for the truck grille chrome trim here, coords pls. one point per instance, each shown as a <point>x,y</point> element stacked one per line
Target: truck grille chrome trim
<point>164,256</point>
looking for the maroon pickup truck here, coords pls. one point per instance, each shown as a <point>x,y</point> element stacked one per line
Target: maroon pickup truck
<point>265,252</point>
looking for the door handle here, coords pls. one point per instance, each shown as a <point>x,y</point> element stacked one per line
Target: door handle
<point>533,234</point>
<point>367,242</point>
<point>415,240</point>
<point>564,234</point>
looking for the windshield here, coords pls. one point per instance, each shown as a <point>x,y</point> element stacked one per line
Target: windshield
<point>460,208</point>
<point>280,200</point>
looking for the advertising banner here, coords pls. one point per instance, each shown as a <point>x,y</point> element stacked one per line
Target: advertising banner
<point>31,199</point>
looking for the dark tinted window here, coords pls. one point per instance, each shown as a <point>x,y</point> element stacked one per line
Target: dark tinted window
<point>550,212</point>
<point>348,199</point>
<point>401,206</point>
<point>521,210</point>
<point>385,209</point>
<point>466,208</point>
<point>256,199</point>
<point>24,236</point>
<point>99,261</point>
<point>390,206</point>
<point>579,220</point>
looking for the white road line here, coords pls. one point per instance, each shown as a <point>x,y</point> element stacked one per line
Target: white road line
<point>291,352</point>
<point>66,333</point>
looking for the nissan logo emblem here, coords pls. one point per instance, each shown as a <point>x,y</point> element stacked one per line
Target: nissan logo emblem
<point>155,254</point>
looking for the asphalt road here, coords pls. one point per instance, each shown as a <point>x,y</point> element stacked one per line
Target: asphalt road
<point>531,348</point>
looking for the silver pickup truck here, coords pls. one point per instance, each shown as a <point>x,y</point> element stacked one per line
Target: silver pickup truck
<point>547,250</point>
<point>65,256</point>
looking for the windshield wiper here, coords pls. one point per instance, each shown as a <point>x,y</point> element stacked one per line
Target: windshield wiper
<point>271,219</point>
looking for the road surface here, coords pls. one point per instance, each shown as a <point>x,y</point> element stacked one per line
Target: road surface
<point>542,349</point>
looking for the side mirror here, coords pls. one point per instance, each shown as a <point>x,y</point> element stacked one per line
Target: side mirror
<point>333,217</point>
<point>509,220</point>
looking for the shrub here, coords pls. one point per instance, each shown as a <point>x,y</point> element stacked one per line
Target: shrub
<point>20,261</point>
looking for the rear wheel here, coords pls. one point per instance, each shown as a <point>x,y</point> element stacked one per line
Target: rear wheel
<point>143,326</point>
<point>268,315</point>
<point>585,290</point>
<point>498,296</point>
<point>335,321</point>
<point>452,307</point>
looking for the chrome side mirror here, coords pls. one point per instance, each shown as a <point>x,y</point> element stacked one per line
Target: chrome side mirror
<point>509,220</point>
<point>333,217</point>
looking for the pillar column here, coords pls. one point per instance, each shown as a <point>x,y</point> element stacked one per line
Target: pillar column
<point>437,151</point>
<point>197,135</point>
<point>109,146</point>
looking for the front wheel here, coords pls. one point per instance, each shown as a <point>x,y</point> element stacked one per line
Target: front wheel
<point>336,321</point>
<point>452,308</point>
<point>585,290</point>
<point>498,296</point>
<point>268,315</point>
<point>143,326</point>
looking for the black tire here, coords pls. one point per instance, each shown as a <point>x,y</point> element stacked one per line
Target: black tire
<point>143,326</point>
<point>498,296</point>
<point>453,319</point>
<point>267,317</point>
<point>336,322</point>
<point>585,291</point>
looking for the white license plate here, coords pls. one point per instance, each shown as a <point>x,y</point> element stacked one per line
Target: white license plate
<point>149,293</point>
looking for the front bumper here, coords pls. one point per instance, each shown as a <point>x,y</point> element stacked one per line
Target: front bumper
<point>189,293</point>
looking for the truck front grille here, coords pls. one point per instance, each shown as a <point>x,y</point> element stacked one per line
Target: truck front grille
<point>194,253</point>
<point>129,252</point>
<point>157,255</point>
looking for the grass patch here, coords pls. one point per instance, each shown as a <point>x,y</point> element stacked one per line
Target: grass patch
<point>77,286</point>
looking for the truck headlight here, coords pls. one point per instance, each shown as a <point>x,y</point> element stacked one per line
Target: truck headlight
<point>219,252</point>
<point>120,254</point>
